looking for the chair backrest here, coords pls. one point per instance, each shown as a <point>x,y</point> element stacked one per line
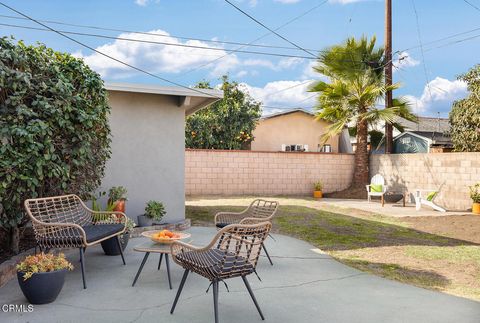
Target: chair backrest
<point>262,209</point>
<point>57,209</point>
<point>240,243</point>
<point>378,180</point>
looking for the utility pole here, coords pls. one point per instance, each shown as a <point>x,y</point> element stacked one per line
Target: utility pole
<point>388,73</point>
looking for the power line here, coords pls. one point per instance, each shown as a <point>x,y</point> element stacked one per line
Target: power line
<point>453,42</point>
<point>106,55</point>
<point>421,47</point>
<point>268,28</point>
<point>442,39</point>
<point>156,34</point>
<point>257,39</point>
<point>154,42</point>
<point>471,5</point>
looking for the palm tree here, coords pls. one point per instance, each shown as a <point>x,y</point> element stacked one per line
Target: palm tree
<point>355,89</point>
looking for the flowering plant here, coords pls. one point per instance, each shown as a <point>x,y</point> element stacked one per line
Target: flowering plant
<point>43,263</point>
<point>475,193</point>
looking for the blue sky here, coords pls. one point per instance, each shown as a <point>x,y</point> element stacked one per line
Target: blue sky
<point>429,80</point>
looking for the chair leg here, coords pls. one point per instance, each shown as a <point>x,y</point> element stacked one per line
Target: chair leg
<point>180,288</point>
<point>215,299</point>
<point>82,265</point>
<point>121,250</point>
<point>160,261</point>
<point>253,297</point>
<point>266,253</point>
<point>168,271</point>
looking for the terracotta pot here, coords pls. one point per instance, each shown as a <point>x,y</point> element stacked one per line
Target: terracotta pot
<point>476,208</point>
<point>119,206</point>
<point>317,194</point>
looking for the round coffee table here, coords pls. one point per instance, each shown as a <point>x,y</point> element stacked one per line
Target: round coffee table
<point>154,247</point>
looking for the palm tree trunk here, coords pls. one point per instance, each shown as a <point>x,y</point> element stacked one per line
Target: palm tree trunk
<point>361,171</point>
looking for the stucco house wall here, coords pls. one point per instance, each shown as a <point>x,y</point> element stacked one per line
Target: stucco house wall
<point>148,145</point>
<point>293,128</point>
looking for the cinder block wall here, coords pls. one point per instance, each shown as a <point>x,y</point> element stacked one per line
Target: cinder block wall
<point>452,173</point>
<point>226,172</point>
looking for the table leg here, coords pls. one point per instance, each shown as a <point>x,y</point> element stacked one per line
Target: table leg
<point>168,271</point>
<point>160,261</point>
<point>404,195</point>
<point>141,267</point>
<point>383,201</point>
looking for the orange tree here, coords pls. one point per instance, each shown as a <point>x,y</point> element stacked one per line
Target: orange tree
<point>54,131</point>
<point>226,124</point>
<point>465,114</point>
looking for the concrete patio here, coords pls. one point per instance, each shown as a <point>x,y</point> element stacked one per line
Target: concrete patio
<point>304,285</point>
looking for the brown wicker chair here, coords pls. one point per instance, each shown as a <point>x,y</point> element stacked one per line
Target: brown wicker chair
<point>258,211</point>
<point>66,222</point>
<point>233,252</point>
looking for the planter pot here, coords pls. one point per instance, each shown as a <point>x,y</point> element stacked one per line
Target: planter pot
<point>119,206</point>
<point>476,208</point>
<point>42,288</point>
<point>317,194</point>
<point>144,221</point>
<point>110,246</point>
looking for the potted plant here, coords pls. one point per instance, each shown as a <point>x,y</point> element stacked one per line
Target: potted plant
<point>110,246</point>
<point>117,196</point>
<point>475,196</point>
<point>154,212</point>
<point>41,277</point>
<point>317,189</point>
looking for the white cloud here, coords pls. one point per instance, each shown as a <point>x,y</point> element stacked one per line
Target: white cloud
<point>438,96</point>
<point>284,94</point>
<point>287,1</point>
<point>143,3</point>
<point>157,58</point>
<point>282,64</point>
<point>241,73</point>
<point>289,62</point>
<point>163,58</point>
<point>403,61</point>
<point>309,72</point>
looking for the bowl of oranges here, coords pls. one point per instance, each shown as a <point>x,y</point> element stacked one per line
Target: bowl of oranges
<point>165,236</point>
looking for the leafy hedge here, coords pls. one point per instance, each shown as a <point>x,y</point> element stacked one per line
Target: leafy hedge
<point>465,115</point>
<point>54,131</point>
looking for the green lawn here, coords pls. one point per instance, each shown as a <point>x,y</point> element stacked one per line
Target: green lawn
<point>378,244</point>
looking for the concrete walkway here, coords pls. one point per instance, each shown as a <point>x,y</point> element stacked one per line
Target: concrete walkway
<point>394,210</point>
<point>303,286</point>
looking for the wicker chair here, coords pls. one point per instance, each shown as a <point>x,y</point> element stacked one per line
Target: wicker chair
<point>66,222</point>
<point>258,211</point>
<point>233,252</point>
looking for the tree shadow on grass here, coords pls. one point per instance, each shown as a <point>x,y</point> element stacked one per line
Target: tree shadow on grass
<point>334,231</point>
<point>331,231</point>
<point>422,278</point>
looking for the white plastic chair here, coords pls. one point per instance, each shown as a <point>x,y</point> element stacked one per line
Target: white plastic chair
<point>377,180</point>
<point>421,198</point>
